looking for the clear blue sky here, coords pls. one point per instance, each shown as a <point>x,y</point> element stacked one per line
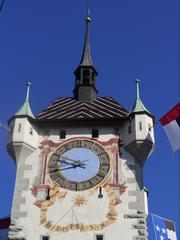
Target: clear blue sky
<point>41,42</point>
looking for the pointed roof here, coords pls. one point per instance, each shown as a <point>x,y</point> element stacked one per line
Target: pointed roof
<point>138,105</point>
<point>25,110</point>
<point>86,55</point>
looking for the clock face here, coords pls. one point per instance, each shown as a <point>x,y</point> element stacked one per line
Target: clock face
<point>79,165</point>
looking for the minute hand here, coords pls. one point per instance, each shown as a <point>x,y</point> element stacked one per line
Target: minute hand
<point>75,161</point>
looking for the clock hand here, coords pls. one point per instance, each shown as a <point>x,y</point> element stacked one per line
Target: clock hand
<point>64,162</point>
<point>61,169</point>
<point>66,158</point>
<point>74,164</point>
<point>81,166</point>
<point>57,170</point>
<point>72,160</point>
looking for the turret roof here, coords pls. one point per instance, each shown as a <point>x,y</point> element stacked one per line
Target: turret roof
<point>25,110</point>
<point>138,105</point>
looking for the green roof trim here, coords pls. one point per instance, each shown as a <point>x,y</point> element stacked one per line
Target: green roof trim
<point>138,105</point>
<point>25,110</point>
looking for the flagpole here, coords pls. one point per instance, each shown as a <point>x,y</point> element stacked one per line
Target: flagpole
<point>175,229</point>
<point>153,225</point>
<point>162,217</point>
<point>153,125</point>
<point>2,125</point>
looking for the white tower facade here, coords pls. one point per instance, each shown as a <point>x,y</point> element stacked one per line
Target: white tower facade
<point>80,165</point>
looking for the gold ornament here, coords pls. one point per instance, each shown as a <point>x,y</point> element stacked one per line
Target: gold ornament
<point>80,200</point>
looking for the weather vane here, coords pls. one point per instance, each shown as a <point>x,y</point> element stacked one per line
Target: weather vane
<point>88,19</point>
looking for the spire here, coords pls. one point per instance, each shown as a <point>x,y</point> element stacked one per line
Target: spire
<point>138,105</point>
<point>86,55</point>
<point>85,82</point>
<point>25,110</point>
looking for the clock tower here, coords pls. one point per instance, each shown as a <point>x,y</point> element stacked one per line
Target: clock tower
<point>80,165</point>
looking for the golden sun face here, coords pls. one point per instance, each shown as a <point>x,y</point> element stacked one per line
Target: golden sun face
<point>79,200</point>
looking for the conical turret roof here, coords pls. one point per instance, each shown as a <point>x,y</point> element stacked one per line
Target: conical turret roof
<point>138,105</point>
<point>25,110</point>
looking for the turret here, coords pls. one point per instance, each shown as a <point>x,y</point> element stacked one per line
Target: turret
<point>23,135</point>
<point>139,134</point>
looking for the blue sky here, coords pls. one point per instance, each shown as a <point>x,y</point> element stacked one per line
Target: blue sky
<point>41,42</point>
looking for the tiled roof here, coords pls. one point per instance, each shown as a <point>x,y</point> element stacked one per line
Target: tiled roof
<point>67,108</point>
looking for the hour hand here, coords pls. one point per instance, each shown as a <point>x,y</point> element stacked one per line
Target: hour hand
<point>64,162</point>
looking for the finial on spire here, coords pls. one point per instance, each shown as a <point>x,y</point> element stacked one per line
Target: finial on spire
<point>86,55</point>
<point>137,88</point>
<point>88,19</point>
<point>27,90</point>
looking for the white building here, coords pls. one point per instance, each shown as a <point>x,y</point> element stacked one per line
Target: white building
<point>80,165</point>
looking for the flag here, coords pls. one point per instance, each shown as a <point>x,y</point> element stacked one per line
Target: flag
<point>171,124</point>
<point>164,229</point>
